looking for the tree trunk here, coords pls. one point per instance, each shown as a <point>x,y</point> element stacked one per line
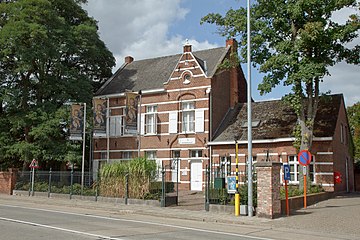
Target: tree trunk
<point>307,126</point>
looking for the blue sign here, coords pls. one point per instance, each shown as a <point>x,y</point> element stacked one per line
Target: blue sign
<point>304,157</point>
<point>286,172</point>
<point>231,184</point>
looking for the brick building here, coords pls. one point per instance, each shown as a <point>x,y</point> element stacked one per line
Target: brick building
<point>272,133</point>
<point>183,111</point>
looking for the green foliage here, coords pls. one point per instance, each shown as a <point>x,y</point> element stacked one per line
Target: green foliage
<point>141,172</point>
<point>353,113</point>
<point>50,54</point>
<point>243,190</point>
<point>231,62</point>
<point>62,189</point>
<point>294,43</point>
<point>219,196</point>
<point>294,191</point>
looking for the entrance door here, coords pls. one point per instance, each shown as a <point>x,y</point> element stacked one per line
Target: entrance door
<point>196,175</point>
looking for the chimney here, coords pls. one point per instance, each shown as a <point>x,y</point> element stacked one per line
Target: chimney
<point>129,59</point>
<point>234,76</point>
<point>187,46</point>
<point>233,43</point>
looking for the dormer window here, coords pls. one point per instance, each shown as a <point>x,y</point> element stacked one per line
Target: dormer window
<point>254,124</point>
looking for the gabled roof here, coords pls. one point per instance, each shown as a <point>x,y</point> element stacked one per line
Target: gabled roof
<point>152,73</point>
<point>277,120</point>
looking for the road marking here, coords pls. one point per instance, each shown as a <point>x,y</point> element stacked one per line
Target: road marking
<point>138,221</point>
<point>59,229</point>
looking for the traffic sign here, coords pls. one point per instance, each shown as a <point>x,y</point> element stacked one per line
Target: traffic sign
<point>304,157</point>
<point>286,172</point>
<point>34,164</point>
<point>304,170</point>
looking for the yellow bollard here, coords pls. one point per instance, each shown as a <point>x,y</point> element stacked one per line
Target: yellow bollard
<point>237,204</point>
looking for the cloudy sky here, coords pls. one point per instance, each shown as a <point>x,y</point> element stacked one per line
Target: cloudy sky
<point>153,28</point>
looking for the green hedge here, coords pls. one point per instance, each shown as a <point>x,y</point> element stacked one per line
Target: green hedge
<point>44,187</point>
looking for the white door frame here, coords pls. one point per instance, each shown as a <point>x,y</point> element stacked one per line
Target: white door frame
<point>196,176</point>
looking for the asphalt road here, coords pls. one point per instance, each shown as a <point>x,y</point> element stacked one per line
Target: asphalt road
<point>33,218</point>
<point>19,222</point>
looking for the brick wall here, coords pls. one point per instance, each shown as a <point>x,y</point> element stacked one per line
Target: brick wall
<point>343,161</point>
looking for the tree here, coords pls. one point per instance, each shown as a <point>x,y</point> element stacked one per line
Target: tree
<point>294,42</point>
<point>50,54</point>
<point>353,113</point>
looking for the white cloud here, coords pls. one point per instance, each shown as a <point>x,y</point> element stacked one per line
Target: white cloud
<point>344,79</point>
<point>140,28</point>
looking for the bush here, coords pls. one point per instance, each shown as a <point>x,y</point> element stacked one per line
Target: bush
<point>219,196</point>
<point>44,187</point>
<point>294,191</point>
<point>141,172</point>
<point>243,190</point>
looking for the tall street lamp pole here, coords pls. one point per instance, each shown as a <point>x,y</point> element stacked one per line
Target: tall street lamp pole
<point>83,153</point>
<point>250,180</point>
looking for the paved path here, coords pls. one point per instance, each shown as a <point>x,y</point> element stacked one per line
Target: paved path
<point>338,218</point>
<point>339,215</point>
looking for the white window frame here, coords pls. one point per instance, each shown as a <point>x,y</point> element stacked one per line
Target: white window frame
<point>151,155</point>
<point>188,117</point>
<point>151,120</point>
<point>116,126</point>
<point>195,154</point>
<point>103,156</point>
<point>175,165</point>
<point>126,155</point>
<point>295,169</point>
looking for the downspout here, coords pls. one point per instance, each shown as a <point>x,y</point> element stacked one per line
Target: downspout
<point>139,124</point>
<point>108,131</point>
<point>347,174</point>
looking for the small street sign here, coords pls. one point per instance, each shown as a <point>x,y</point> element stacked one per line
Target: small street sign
<point>304,170</point>
<point>304,157</point>
<point>34,164</point>
<point>286,172</point>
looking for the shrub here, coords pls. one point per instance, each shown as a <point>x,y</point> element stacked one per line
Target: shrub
<point>243,190</point>
<point>294,191</point>
<point>141,172</point>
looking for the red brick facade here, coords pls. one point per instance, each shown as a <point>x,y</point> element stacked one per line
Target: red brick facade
<point>210,97</point>
<point>195,96</point>
<point>331,154</point>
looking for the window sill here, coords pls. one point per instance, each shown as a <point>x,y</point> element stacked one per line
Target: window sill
<point>149,134</point>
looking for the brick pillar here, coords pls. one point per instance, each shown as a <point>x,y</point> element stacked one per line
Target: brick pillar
<point>13,177</point>
<point>8,181</point>
<point>268,189</point>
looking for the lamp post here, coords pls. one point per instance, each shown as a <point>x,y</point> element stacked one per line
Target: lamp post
<point>250,180</point>
<point>162,202</point>
<point>83,153</point>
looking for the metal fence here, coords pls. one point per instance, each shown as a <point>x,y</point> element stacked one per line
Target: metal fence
<point>69,182</point>
<point>66,182</point>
